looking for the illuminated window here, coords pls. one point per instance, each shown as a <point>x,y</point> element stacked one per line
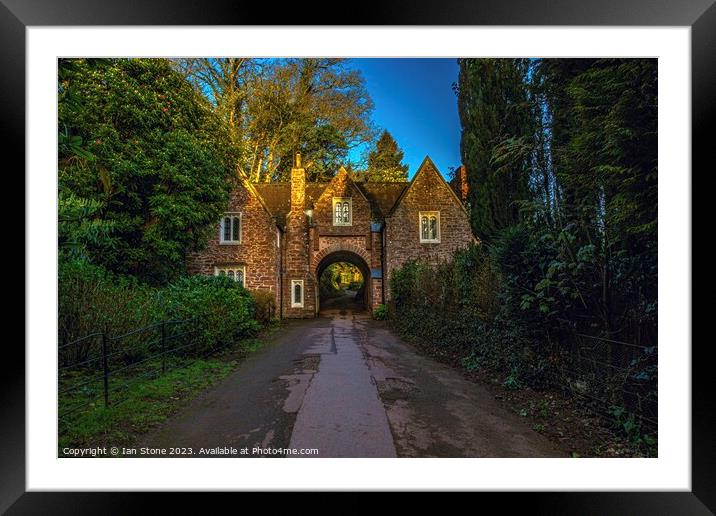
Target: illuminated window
<point>429,226</point>
<point>342,211</point>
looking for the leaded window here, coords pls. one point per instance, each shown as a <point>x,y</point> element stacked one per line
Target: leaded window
<point>429,226</point>
<point>230,231</point>
<point>342,211</point>
<point>235,272</point>
<point>297,293</point>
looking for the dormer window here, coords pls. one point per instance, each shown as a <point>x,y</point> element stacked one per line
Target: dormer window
<point>342,211</point>
<point>429,226</point>
<point>230,228</point>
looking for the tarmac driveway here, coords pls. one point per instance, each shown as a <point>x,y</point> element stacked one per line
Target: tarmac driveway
<point>343,385</point>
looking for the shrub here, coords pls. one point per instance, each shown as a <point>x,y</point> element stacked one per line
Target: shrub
<point>91,300</point>
<point>380,313</point>
<point>221,310</point>
<point>265,301</point>
<point>328,283</point>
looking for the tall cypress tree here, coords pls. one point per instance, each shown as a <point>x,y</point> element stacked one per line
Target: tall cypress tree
<point>496,114</point>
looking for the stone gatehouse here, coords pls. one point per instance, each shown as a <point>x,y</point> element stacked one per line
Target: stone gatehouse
<point>280,237</point>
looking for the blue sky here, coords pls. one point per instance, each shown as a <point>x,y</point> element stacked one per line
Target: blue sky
<point>414,100</point>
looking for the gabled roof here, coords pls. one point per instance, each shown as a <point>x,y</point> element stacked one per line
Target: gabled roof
<point>383,198</point>
<point>380,196</point>
<point>425,165</point>
<point>277,196</point>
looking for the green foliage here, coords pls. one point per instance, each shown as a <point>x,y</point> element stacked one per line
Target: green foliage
<point>453,311</point>
<point>512,382</point>
<point>221,309</point>
<point>147,402</point>
<point>626,423</point>
<point>265,301</point>
<point>380,312</point>
<point>218,310</point>
<point>275,107</point>
<point>385,162</point>
<point>496,114</point>
<point>91,300</point>
<point>472,362</point>
<point>329,282</point>
<point>146,158</point>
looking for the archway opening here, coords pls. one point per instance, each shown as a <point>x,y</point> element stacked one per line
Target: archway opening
<point>344,282</point>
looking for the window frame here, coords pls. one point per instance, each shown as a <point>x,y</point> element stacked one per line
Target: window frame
<point>342,200</point>
<point>234,267</point>
<point>294,304</point>
<point>233,215</point>
<point>428,214</point>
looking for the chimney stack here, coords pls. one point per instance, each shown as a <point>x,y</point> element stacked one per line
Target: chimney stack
<point>298,186</point>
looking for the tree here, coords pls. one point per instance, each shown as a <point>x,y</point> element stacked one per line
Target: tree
<point>385,161</point>
<point>496,115</point>
<point>145,158</point>
<point>561,159</point>
<point>276,107</point>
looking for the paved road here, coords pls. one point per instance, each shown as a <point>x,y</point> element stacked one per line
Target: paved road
<point>345,385</point>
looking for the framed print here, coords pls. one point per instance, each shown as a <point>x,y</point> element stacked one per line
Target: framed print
<point>428,250</point>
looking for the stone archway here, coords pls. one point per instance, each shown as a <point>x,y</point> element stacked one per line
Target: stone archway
<point>350,254</point>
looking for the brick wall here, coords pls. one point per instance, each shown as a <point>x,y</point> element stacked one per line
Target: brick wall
<point>429,192</point>
<point>257,251</point>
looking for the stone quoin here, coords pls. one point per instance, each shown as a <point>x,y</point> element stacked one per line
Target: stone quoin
<point>280,237</point>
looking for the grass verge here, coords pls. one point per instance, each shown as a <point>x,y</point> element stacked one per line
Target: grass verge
<point>142,400</point>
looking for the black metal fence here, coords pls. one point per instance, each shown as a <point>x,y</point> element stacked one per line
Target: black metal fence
<point>96,368</point>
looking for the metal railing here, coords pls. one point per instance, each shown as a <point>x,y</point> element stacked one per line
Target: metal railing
<point>88,365</point>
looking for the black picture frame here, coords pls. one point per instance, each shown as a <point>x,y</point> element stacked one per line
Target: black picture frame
<point>17,15</point>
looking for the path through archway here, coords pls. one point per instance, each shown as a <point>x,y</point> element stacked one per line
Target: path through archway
<point>351,299</point>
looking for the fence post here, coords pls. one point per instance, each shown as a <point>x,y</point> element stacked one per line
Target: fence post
<point>164,364</point>
<point>105,368</point>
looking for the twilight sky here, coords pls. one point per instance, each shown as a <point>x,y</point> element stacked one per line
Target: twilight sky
<point>414,100</point>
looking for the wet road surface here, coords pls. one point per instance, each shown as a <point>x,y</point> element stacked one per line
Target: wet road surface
<point>345,385</point>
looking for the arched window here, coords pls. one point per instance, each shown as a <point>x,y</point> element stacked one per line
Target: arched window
<point>342,211</point>
<point>429,222</point>
<point>346,212</point>
<point>297,293</point>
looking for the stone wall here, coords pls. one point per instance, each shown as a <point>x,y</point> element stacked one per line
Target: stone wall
<point>296,264</point>
<point>428,192</point>
<point>302,247</point>
<point>258,250</point>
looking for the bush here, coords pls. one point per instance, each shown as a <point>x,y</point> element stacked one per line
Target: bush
<point>91,300</point>
<point>265,301</point>
<point>380,313</point>
<point>221,310</point>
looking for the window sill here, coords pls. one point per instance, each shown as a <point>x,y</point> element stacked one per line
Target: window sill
<point>229,243</point>
<point>430,241</point>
